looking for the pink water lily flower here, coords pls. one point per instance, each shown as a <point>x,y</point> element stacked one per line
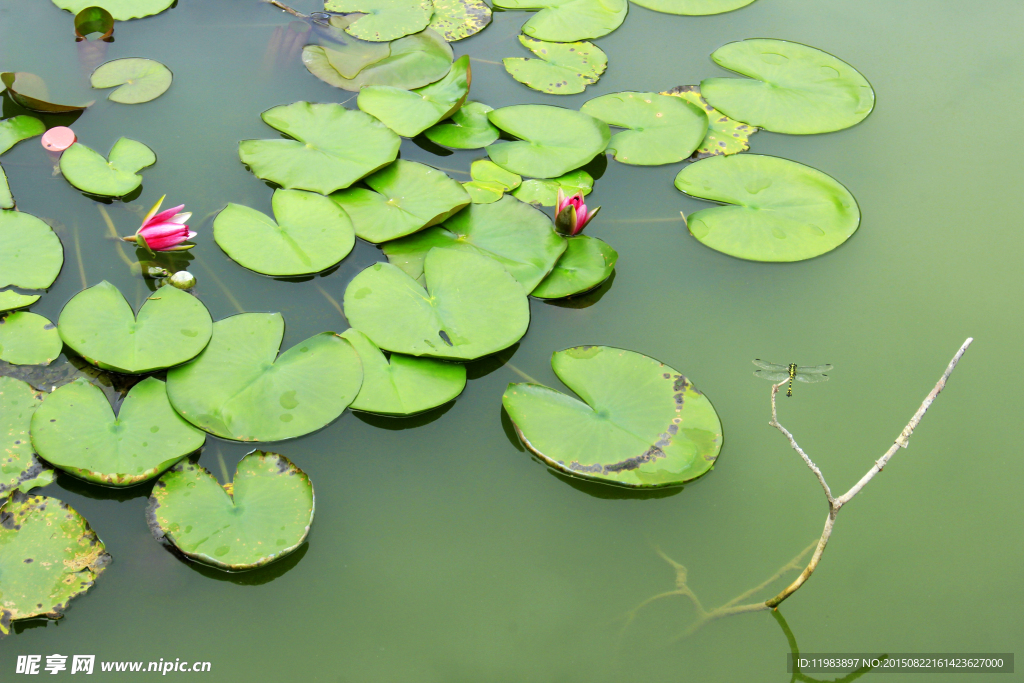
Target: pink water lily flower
<point>571,214</point>
<point>164,231</point>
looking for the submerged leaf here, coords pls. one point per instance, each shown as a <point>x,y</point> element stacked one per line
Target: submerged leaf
<point>545,192</point>
<point>410,112</point>
<point>141,80</point>
<point>18,128</point>
<point>724,136</point>
<point>29,91</point>
<point>458,19</point>
<point>31,255</point>
<point>566,21</point>
<point>413,62</point>
<point>384,20</point>
<point>21,469</point>
<point>121,10</point>
<point>468,128</point>
<point>586,263</point>
<point>28,339</point>
<point>660,129</point>
<point>562,68</point>
<point>553,140</point>
<point>90,172</point>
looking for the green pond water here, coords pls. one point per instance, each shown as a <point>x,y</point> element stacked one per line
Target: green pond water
<point>441,551</point>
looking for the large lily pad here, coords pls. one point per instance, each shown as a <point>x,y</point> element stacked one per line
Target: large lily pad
<point>586,263</point>
<point>141,80</point>
<point>403,385</point>
<point>660,129</point>
<point>331,147</point>
<point>28,339</point>
<point>115,176</point>
<point>552,140</point>
<point>640,423</point>
<point>18,128</point>
<point>236,389</point>
<point>566,21</point>
<point>384,20</point>
<point>30,91</point>
<point>561,68</point>
<point>693,7</point>
<point>468,128</point>
<point>267,515</point>
<point>471,308</point>
<point>514,234</point>
<point>30,253</point>
<point>404,197</point>
<point>76,430</point>
<point>792,88</point>
<point>20,469</point>
<point>310,234</point>
<point>121,10</point>
<point>545,192</point>
<point>171,328</point>
<point>414,61</point>
<point>6,198</point>
<point>724,136</point>
<point>777,210</point>
<point>410,112</point>
<point>11,300</point>
<point>458,19</point>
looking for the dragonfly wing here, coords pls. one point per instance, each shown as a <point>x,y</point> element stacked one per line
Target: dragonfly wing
<point>812,369</point>
<point>771,376</point>
<point>771,367</point>
<point>810,378</point>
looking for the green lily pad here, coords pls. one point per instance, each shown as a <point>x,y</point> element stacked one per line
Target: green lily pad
<point>48,555</point>
<point>724,136</point>
<point>141,80</point>
<point>486,171</point>
<point>170,329</point>
<point>404,385</point>
<point>90,172</point>
<point>384,20</point>
<point>11,300</point>
<point>566,21</point>
<point>20,469</point>
<point>18,128</point>
<point>693,7</point>
<point>660,129</point>
<point>267,515</point>
<point>76,430</point>
<point>484,191</point>
<point>94,20</point>
<point>586,263</point>
<point>121,10</point>
<point>6,198</point>
<point>458,19</point>
<point>404,197</point>
<point>776,209</point>
<point>471,308</point>
<point>30,91</point>
<point>236,389</point>
<point>331,147</point>
<point>792,88</point>
<point>640,423</point>
<point>28,339</point>
<point>414,62</point>
<point>410,112</point>
<point>545,192</point>
<point>552,140</point>
<point>468,128</point>
<point>31,256</point>
<point>311,234</point>
<point>514,234</point>
<point>562,68</point>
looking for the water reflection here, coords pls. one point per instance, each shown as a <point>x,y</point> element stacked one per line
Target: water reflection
<point>586,299</point>
<point>488,364</point>
<point>795,650</point>
<point>250,577</point>
<point>608,492</point>
<point>96,492</point>
<point>399,423</point>
<point>285,44</point>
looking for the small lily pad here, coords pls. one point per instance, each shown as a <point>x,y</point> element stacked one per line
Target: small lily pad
<point>30,91</point>
<point>693,7</point>
<point>468,128</point>
<point>545,192</point>
<point>121,10</point>
<point>458,19</point>
<point>552,140</point>
<point>725,135</point>
<point>267,515</point>
<point>18,128</point>
<point>640,423</point>
<point>384,20</point>
<point>11,300</point>
<point>586,263</point>
<point>566,21</point>
<point>486,171</point>
<point>28,339</point>
<point>76,430</point>
<point>141,80</point>
<point>414,61</point>
<point>311,234</point>
<point>6,198</point>
<point>90,172</point>
<point>561,68</point>
<point>410,112</point>
<point>660,129</point>
<point>484,191</point>
<point>31,255</point>
<point>94,20</point>
<point>20,469</point>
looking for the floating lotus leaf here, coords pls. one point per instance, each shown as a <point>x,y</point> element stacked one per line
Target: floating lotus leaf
<point>468,128</point>
<point>48,555</point>
<point>484,191</point>
<point>693,7</point>
<point>28,339</point>
<point>471,307</point>
<point>267,515</point>
<point>171,328</point>
<point>553,141</point>
<point>404,385</point>
<point>586,263</point>
<point>565,21</point>
<point>20,469</point>
<point>30,254</point>
<point>10,300</point>
<point>545,192</point>
<point>776,209</point>
<point>18,128</point>
<point>94,20</point>
<point>486,171</point>
<point>236,389</point>
<point>349,55</point>
<point>661,129</point>
<point>410,112</point>
<point>384,20</point>
<point>121,10</point>
<point>640,423</point>
<point>311,234</point>
<point>414,61</point>
<point>724,136</point>
<point>562,68</point>
<point>514,234</point>
<point>405,197</point>
<point>90,172</point>
<point>141,80</point>
<point>331,147</point>
<point>76,430</point>
<point>798,89</point>
<point>30,91</point>
<point>458,19</point>
<point>6,198</point>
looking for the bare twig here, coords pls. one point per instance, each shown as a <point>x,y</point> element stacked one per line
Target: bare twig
<point>286,8</point>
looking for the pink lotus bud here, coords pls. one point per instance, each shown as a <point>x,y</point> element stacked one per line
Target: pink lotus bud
<point>164,231</point>
<point>571,214</point>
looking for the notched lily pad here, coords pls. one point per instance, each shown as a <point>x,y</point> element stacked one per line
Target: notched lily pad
<point>20,469</point>
<point>725,136</point>
<point>31,255</point>
<point>18,128</point>
<point>566,21</point>
<point>141,80</point>
<point>543,192</point>
<point>552,140</point>
<point>458,19</point>
<point>468,128</point>
<point>28,339</point>
<point>413,62</point>
<point>115,176</point>
<point>410,112</point>
<point>384,20</point>
<point>561,68</point>
<point>30,92</point>
<point>586,263</point>
<point>660,129</point>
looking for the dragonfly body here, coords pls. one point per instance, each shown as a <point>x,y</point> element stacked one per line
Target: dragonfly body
<point>775,372</point>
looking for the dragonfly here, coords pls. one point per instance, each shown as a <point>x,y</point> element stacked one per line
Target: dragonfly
<point>775,372</point>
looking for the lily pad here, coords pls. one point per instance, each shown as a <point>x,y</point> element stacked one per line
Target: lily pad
<point>586,263</point>
<point>468,128</point>
<point>486,171</point>
<point>48,555</point>
<point>141,80</point>
<point>410,112</point>
<point>414,61</point>
<point>724,136</point>
<point>484,191</point>
<point>28,339</point>
<point>11,300</point>
<point>30,254</point>
<point>792,88</point>
<point>121,10</point>
<point>514,234</point>
<point>640,423</point>
<point>90,172</point>
<point>562,68</point>
<point>20,469</point>
<point>458,19</point>
<point>171,328</point>
<point>331,147</point>
<point>384,20</point>
<point>545,192</point>
<point>552,140</point>
<point>471,308</point>
<point>311,234</point>
<point>776,209</point>
<point>693,7</point>
<point>30,91</point>
<point>236,389</point>
<point>661,129</point>
<point>404,197</point>
<point>566,21</point>
<point>6,198</point>
<point>267,515</point>
<point>403,385</point>
<point>18,128</point>
<point>76,430</point>
<point>94,20</point>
